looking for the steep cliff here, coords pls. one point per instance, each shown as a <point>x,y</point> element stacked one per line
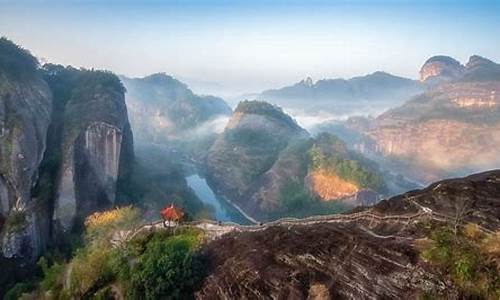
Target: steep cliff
<point>251,143</point>
<point>453,129</point>
<point>95,143</point>
<point>163,109</point>
<point>439,69</point>
<point>371,253</point>
<point>25,109</point>
<point>270,167</point>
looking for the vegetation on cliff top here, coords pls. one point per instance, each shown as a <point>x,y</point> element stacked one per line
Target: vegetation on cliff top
<point>16,61</point>
<point>152,265</point>
<point>330,154</point>
<point>266,109</point>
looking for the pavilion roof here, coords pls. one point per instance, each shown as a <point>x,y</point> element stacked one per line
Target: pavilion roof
<point>172,213</point>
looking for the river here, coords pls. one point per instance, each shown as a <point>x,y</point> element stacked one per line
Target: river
<point>224,211</point>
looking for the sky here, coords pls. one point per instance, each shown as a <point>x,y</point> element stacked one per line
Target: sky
<point>231,47</point>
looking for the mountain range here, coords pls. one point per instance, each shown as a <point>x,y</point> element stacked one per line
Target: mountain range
<point>378,91</point>
<point>452,129</point>
<point>163,109</point>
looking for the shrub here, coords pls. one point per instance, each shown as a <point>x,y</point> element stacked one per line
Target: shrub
<point>101,225</point>
<point>20,288</point>
<point>90,270</point>
<point>469,258</point>
<point>15,60</point>
<point>52,276</point>
<point>168,268</point>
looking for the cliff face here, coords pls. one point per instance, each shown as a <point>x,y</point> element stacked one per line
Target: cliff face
<point>163,109</point>
<point>96,147</point>
<point>65,145</point>
<point>249,147</point>
<point>263,162</point>
<point>371,253</point>
<point>440,69</point>
<point>25,108</point>
<point>452,129</point>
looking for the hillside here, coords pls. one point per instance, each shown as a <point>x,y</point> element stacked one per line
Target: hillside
<point>379,89</point>
<point>162,108</point>
<point>373,253</point>
<point>451,130</point>
<point>438,242</point>
<point>270,167</point>
<point>66,151</point>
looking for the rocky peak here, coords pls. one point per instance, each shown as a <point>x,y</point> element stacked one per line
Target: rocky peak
<point>476,60</point>
<point>163,79</point>
<point>481,69</point>
<point>263,108</point>
<point>441,68</point>
<point>307,82</point>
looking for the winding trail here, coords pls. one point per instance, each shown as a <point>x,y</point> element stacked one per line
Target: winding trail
<point>215,229</point>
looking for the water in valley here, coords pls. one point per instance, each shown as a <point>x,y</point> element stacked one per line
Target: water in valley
<point>223,210</point>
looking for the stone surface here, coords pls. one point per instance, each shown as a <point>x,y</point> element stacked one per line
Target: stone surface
<point>369,253</point>
<point>94,144</point>
<point>163,109</point>
<point>451,130</point>
<point>243,162</point>
<point>25,107</point>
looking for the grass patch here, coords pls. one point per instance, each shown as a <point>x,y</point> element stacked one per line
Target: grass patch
<point>470,258</point>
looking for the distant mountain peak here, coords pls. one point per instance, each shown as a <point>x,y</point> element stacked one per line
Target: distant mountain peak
<point>476,60</point>
<point>307,82</point>
<point>441,68</point>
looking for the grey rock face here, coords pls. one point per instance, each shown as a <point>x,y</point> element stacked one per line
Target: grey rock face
<point>25,108</point>
<point>97,154</point>
<point>96,144</point>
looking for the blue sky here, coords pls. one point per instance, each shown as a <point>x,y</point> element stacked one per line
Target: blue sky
<point>244,46</point>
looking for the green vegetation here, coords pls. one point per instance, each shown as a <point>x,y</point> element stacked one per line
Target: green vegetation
<point>267,109</point>
<point>297,202</point>
<point>51,275</point>
<point>157,181</point>
<point>20,288</point>
<point>153,265</point>
<point>330,153</point>
<point>16,221</point>
<point>16,61</point>
<point>168,267</point>
<point>470,258</point>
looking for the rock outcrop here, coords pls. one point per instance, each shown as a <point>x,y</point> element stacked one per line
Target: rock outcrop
<point>25,109</point>
<point>65,146</point>
<point>163,109</point>
<point>451,130</point>
<point>439,69</point>
<point>96,146</point>
<point>370,253</point>
<point>263,160</point>
<point>249,147</point>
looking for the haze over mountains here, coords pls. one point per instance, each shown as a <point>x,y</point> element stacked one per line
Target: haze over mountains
<point>376,91</point>
<point>163,108</point>
<point>68,151</point>
<point>452,129</point>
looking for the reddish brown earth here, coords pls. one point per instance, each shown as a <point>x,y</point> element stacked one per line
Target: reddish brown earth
<point>361,257</point>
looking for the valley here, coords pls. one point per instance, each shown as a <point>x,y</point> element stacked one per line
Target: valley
<point>258,205</point>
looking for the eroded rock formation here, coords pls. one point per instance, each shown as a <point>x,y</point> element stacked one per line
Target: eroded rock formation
<point>370,253</point>
<point>25,108</point>
<point>451,130</point>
